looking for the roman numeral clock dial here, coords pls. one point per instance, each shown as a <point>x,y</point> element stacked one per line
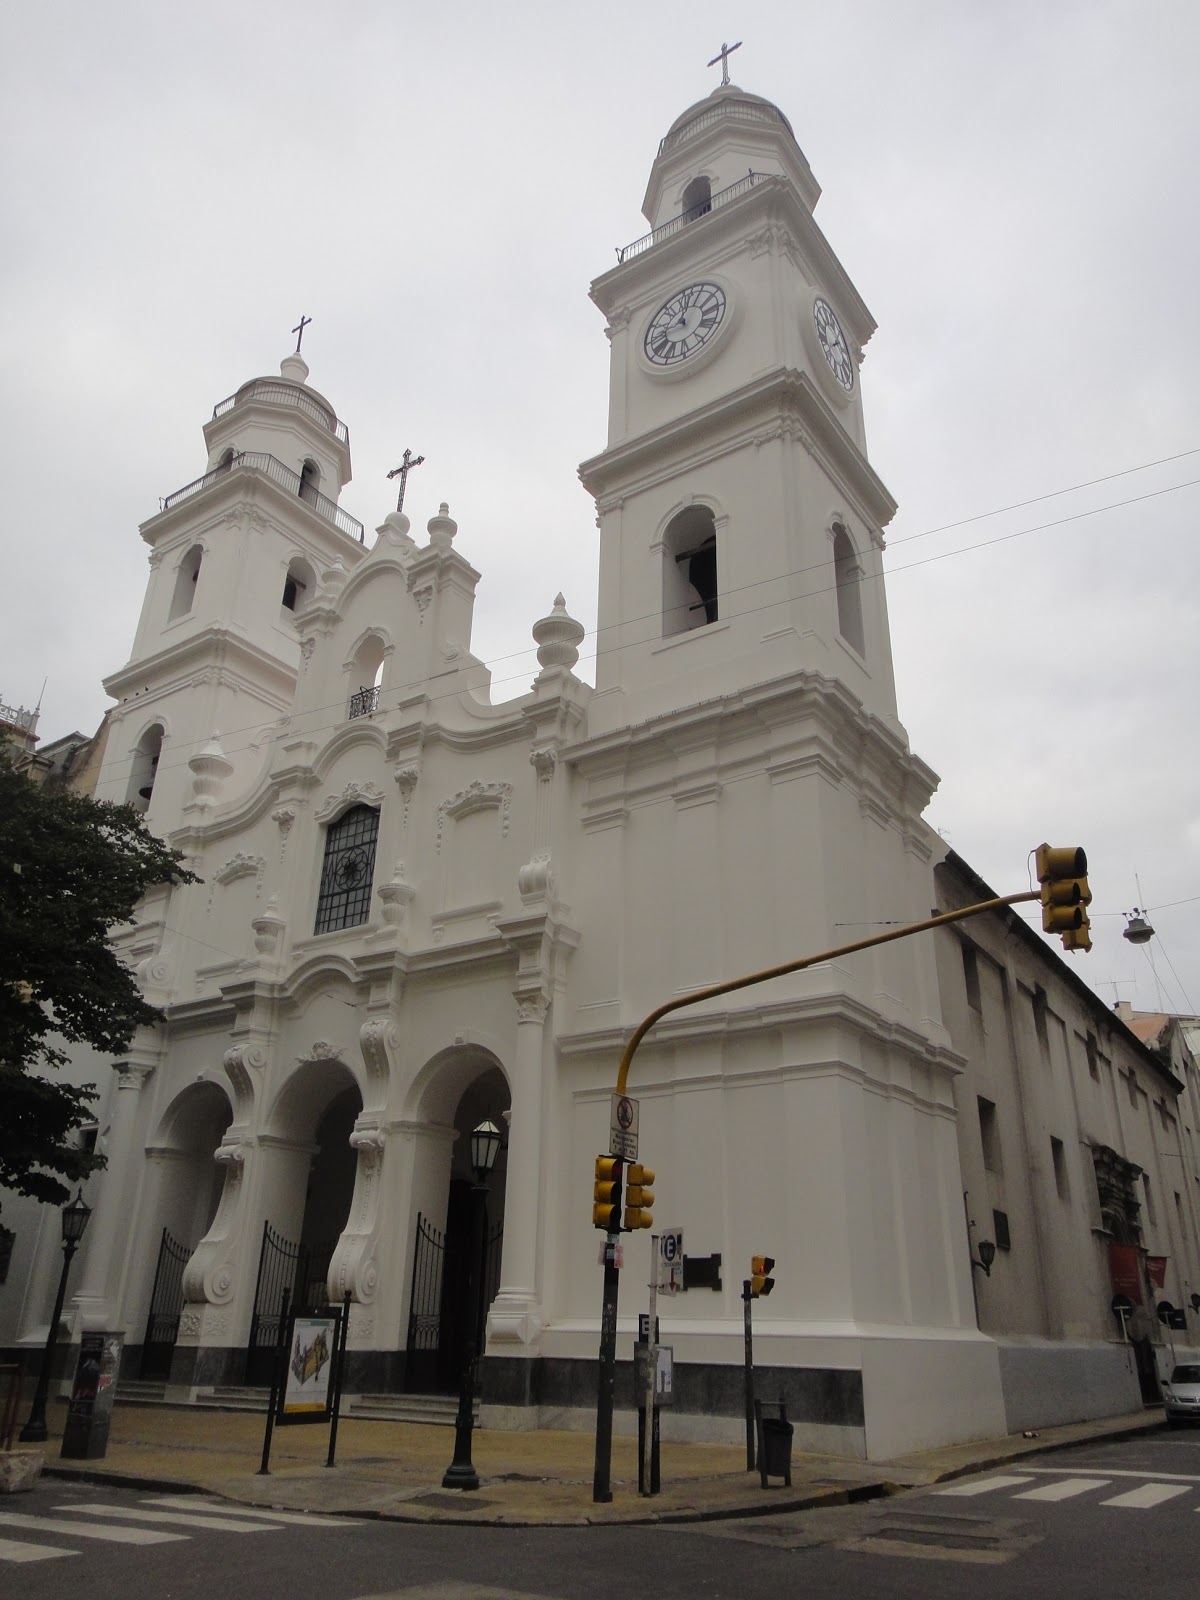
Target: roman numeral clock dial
<point>834,345</point>
<point>684,324</point>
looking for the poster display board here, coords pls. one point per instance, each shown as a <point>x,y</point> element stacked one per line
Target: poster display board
<point>306,1394</point>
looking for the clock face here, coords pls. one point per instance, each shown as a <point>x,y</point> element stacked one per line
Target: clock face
<point>833,344</point>
<point>684,323</point>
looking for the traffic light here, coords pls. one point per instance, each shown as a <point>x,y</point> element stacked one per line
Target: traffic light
<point>760,1281</point>
<point>606,1194</point>
<point>639,1197</point>
<point>1062,874</point>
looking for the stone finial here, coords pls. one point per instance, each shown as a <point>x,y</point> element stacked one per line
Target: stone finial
<point>269,928</point>
<point>558,637</point>
<point>210,767</point>
<point>393,530</point>
<point>294,367</point>
<point>442,528</point>
<point>333,580</point>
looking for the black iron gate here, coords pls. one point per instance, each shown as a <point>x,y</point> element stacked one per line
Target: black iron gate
<point>436,1304</point>
<point>303,1271</point>
<point>166,1303</point>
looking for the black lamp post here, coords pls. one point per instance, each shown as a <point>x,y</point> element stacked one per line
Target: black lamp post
<point>485,1146</point>
<point>74,1221</point>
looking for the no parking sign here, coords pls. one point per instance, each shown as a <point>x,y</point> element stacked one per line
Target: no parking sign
<point>670,1262</point>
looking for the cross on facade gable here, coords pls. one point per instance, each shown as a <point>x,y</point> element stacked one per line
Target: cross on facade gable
<point>298,330</point>
<point>407,462</point>
<point>723,55</point>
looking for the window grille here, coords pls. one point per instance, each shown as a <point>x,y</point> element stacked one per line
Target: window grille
<point>346,877</point>
<point>364,702</point>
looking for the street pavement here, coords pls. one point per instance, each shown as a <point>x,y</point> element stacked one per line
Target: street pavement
<point>393,1470</point>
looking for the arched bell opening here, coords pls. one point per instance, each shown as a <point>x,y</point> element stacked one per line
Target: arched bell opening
<point>690,588</point>
<point>143,768</point>
<point>457,1250</point>
<point>182,1197</point>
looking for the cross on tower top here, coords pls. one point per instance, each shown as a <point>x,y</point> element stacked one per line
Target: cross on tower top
<point>298,330</point>
<point>723,55</point>
<point>407,462</point>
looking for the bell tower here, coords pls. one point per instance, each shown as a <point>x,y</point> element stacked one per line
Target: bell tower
<point>740,520</point>
<point>235,555</point>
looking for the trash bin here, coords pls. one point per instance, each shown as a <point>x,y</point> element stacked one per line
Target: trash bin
<point>774,1443</point>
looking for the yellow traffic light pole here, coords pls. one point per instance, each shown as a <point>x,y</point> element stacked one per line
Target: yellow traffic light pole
<point>716,989</point>
<point>601,1490</point>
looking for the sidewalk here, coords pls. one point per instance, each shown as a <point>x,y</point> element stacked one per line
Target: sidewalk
<point>394,1469</point>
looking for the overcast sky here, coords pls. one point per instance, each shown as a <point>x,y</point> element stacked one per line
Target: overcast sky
<point>1010,185</point>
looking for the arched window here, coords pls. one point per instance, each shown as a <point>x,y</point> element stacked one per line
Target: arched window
<point>690,571</point>
<point>366,676</point>
<point>697,199</point>
<point>848,577</point>
<point>310,477</point>
<point>185,583</point>
<point>349,869</point>
<point>226,461</point>
<point>298,584</point>
<point>144,768</point>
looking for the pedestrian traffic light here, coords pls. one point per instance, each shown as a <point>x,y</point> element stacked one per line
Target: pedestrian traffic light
<point>1062,874</point>
<point>639,1197</point>
<point>760,1281</point>
<point>606,1194</point>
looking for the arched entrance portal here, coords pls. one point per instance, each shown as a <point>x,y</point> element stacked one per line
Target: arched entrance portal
<point>440,1299</point>
<point>308,1201</point>
<point>184,1192</point>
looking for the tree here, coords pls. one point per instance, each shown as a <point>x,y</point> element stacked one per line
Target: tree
<point>71,870</point>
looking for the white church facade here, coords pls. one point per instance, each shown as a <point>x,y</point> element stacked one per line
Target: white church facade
<point>420,908</point>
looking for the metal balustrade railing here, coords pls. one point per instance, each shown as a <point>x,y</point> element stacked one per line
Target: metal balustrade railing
<point>687,218</point>
<point>364,702</point>
<point>18,717</point>
<point>284,394</point>
<point>271,467</point>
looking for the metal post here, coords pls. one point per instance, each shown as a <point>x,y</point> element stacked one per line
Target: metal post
<point>34,1431</point>
<point>339,1369</point>
<point>461,1473</point>
<point>607,1377</point>
<point>647,1475</point>
<point>747,1298</point>
<point>278,1382</point>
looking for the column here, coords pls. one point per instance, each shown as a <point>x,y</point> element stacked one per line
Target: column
<point>515,1314</point>
<point>108,1236</point>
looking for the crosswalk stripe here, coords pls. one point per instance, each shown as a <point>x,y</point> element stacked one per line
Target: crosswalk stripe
<point>1065,1489</point>
<point>84,1530</point>
<point>301,1519</point>
<point>1002,1480</point>
<point>1150,1494</point>
<point>16,1550</point>
<point>219,1524</point>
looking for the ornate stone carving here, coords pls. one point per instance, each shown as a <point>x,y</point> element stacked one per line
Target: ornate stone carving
<point>189,1323</point>
<point>322,1050</point>
<point>269,929</point>
<point>535,880</point>
<point>423,594</point>
<point>377,1040</point>
<point>132,1076</point>
<point>395,895</point>
<point>543,762</point>
<point>477,796</point>
<point>531,1008</point>
<point>241,865</point>
<point>210,767</point>
<point>558,637</point>
<point>355,793</point>
<point>306,651</point>
<point>240,1062</point>
<point>406,782</point>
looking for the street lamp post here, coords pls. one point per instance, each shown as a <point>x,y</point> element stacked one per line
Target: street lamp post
<point>485,1146</point>
<point>74,1221</point>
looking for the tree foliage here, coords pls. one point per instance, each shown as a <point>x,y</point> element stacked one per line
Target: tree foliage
<point>71,870</point>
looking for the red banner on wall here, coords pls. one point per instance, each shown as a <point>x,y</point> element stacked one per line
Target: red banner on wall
<point>1156,1270</point>
<point>1125,1270</point>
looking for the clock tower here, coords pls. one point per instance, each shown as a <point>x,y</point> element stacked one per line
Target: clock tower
<point>740,520</point>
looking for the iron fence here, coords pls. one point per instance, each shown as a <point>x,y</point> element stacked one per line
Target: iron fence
<point>284,394</point>
<point>686,218</point>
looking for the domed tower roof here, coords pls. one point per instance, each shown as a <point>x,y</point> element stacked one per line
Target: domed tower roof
<point>722,137</point>
<point>727,100</point>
